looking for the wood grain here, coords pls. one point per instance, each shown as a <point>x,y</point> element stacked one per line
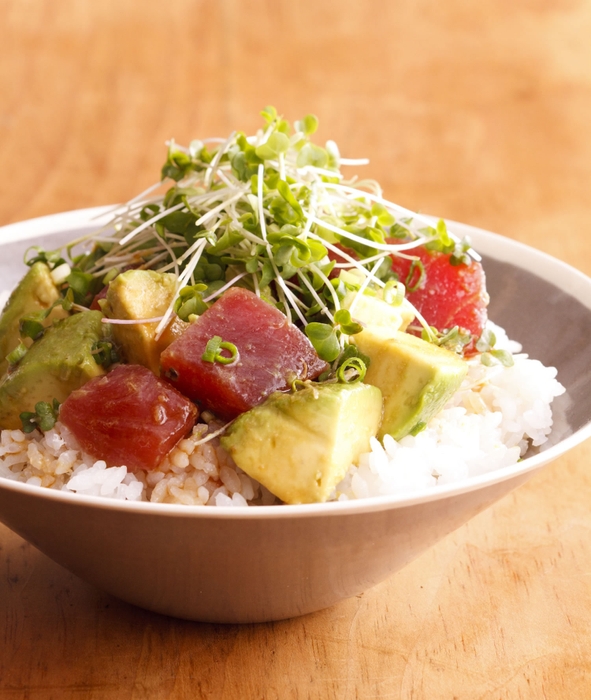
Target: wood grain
<point>479,112</point>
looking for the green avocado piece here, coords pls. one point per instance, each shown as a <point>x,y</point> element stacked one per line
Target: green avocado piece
<point>301,445</point>
<point>56,364</point>
<point>373,310</point>
<point>138,294</point>
<point>35,292</point>
<point>416,378</point>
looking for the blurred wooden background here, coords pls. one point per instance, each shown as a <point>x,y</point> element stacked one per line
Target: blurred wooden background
<point>475,111</point>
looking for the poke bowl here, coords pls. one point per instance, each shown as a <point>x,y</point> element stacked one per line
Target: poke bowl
<point>289,516</point>
<point>268,563</point>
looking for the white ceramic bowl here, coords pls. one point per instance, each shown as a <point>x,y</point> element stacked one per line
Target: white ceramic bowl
<point>268,563</point>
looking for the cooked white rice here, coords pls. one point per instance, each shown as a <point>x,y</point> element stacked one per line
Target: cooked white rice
<point>490,423</point>
<point>194,473</point>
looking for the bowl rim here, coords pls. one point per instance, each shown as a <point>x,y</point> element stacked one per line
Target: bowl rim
<point>493,245</point>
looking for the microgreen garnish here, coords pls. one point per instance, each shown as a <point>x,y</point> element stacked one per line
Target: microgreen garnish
<point>213,352</point>
<point>352,351</point>
<point>325,340</point>
<point>460,255</point>
<point>104,353</point>
<point>190,301</point>
<point>270,212</point>
<point>454,339</point>
<point>490,355</point>
<point>328,339</point>
<point>442,241</point>
<point>346,324</point>
<point>52,258</point>
<point>44,417</point>
<point>83,285</point>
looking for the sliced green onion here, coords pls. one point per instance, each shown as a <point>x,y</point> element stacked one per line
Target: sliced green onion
<point>110,276</point>
<point>213,352</point>
<point>394,292</point>
<point>413,282</point>
<point>60,273</point>
<point>30,327</point>
<point>344,371</point>
<point>14,357</point>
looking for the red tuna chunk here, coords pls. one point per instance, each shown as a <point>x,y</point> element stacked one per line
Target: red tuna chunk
<point>273,352</point>
<point>128,417</point>
<point>448,295</point>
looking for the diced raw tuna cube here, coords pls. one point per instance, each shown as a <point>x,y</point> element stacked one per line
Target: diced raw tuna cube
<point>273,352</point>
<point>128,417</point>
<point>448,295</point>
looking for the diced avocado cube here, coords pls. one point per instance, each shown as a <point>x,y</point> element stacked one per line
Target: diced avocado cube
<point>56,364</point>
<point>416,378</point>
<point>138,294</point>
<point>301,445</point>
<point>373,310</point>
<point>35,292</point>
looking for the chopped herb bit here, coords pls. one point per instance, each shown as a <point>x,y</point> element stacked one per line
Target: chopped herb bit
<point>352,371</point>
<point>493,357</point>
<point>83,286</point>
<point>307,125</point>
<point>190,301</point>
<point>213,352</point>
<point>490,355</point>
<point>30,327</point>
<point>352,351</point>
<point>52,258</point>
<point>298,384</point>
<point>17,354</point>
<point>418,428</point>
<point>454,339</point>
<point>60,273</point>
<point>325,340</point>
<point>347,325</point>
<point>439,238</point>
<point>460,258</point>
<point>415,277</point>
<point>104,353</point>
<point>44,417</point>
<point>394,292</point>
<point>66,303</point>
<point>486,341</point>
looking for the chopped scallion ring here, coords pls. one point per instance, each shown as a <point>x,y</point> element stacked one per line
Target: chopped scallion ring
<point>17,354</point>
<point>352,371</point>
<point>213,352</point>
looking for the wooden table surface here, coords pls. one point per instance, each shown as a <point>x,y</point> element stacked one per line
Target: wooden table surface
<point>479,112</point>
